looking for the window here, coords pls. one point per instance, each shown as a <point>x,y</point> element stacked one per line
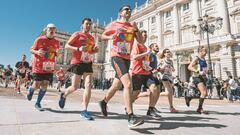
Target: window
<point>168,14</point>
<point>153,19</point>
<point>140,24</point>
<point>185,7</point>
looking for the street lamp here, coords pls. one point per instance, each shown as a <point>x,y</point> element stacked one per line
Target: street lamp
<point>204,26</point>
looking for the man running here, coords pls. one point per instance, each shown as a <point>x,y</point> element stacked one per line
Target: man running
<point>83,47</point>
<point>21,68</point>
<point>60,78</point>
<point>123,34</point>
<point>142,75</point>
<point>45,50</point>
<point>7,75</point>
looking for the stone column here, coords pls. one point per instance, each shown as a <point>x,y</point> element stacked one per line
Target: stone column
<point>159,27</point>
<point>176,25</point>
<point>223,13</point>
<point>226,61</point>
<point>195,16</point>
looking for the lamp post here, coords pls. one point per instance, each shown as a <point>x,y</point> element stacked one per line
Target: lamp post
<point>204,26</point>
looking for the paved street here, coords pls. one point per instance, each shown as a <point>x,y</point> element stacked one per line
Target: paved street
<point>19,116</point>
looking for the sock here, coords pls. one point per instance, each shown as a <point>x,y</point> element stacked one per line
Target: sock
<point>150,108</point>
<point>201,100</point>
<point>40,96</point>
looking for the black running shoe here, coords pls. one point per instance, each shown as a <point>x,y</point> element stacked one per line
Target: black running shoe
<point>156,110</point>
<point>134,121</point>
<point>187,100</point>
<point>152,113</point>
<point>39,107</point>
<point>103,106</point>
<point>201,111</point>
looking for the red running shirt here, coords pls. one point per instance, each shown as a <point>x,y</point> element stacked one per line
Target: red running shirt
<point>45,64</point>
<point>122,44</point>
<point>79,39</point>
<point>60,75</point>
<point>142,65</point>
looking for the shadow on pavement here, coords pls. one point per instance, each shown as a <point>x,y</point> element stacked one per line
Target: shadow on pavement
<point>174,125</point>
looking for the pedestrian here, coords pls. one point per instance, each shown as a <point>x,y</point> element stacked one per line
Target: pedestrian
<point>83,48</point>
<point>21,69</point>
<point>199,68</point>
<point>123,33</point>
<point>44,52</point>
<point>142,74</point>
<point>60,78</point>
<point>166,68</point>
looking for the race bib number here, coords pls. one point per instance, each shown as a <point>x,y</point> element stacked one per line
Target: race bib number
<point>123,47</point>
<point>146,65</point>
<point>48,66</point>
<point>86,57</point>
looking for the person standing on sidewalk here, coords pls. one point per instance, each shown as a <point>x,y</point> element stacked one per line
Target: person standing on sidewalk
<point>83,47</point>
<point>199,68</point>
<point>21,68</point>
<point>45,50</point>
<point>123,33</point>
<point>166,68</point>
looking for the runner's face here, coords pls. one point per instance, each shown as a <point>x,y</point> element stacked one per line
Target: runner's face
<point>203,52</point>
<point>51,32</point>
<point>144,35</point>
<point>155,48</point>
<point>125,12</point>
<point>87,25</point>
<point>23,58</point>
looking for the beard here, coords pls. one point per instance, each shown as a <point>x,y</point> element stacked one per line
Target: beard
<point>50,35</point>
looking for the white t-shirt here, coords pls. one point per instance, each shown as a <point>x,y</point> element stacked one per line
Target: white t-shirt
<point>233,85</point>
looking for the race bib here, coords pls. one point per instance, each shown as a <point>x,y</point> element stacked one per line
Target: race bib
<point>146,65</point>
<point>48,66</point>
<point>86,57</point>
<point>123,47</point>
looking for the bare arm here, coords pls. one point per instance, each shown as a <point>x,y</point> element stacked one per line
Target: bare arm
<point>192,64</point>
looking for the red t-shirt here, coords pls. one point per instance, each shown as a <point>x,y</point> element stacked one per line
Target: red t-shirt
<point>60,75</point>
<point>45,64</point>
<point>141,66</point>
<point>122,44</point>
<point>79,39</point>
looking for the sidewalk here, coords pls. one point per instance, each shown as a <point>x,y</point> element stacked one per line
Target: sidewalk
<point>19,117</point>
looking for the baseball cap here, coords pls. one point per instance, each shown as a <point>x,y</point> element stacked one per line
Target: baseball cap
<point>51,25</point>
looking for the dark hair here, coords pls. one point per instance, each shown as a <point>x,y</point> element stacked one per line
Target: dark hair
<point>163,52</point>
<point>88,19</point>
<point>123,7</point>
<point>151,45</point>
<point>230,76</point>
<point>200,48</point>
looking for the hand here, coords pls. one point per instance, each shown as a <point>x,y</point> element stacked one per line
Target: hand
<point>83,48</point>
<point>41,52</point>
<point>154,71</point>
<point>96,49</point>
<point>134,24</point>
<point>113,36</point>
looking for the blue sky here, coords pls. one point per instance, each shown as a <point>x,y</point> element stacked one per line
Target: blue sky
<point>22,20</point>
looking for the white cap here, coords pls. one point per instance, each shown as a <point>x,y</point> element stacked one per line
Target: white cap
<point>51,25</point>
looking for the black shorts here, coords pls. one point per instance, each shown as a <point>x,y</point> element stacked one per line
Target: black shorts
<point>143,80</point>
<point>22,75</point>
<point>42,76</point>
<point>121,66</point>
<point>166,77</point>
<point>200,79</point>
<point>81,68</point>
<point>61,82</point>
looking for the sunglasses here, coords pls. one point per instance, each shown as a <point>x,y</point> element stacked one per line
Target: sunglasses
<point>167,52</point>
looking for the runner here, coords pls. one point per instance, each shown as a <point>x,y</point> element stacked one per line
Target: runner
<point>21,68</point>
<point>8,75</point>
<point>199,68</point>
<point>60,78</point>
<point>83,47</point>
<point>43,65</point>
<point>123,34</point>
<point>166,68</point>
<point>142,75</point>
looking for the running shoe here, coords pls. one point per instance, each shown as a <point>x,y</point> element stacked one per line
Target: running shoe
<point>62,100</point>
<point>103,106</point>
